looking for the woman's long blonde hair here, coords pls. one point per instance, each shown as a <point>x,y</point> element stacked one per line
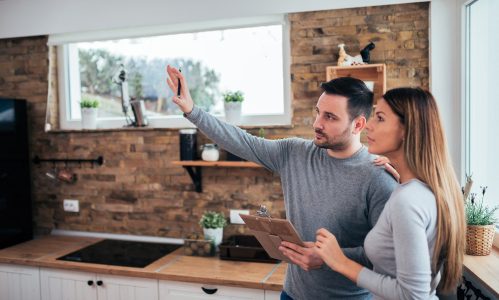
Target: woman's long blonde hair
<point>426,152</point>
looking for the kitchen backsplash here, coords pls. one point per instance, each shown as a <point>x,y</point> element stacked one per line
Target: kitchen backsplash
<point>137,190</point>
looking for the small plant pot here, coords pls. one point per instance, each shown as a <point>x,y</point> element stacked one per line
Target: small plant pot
<point>89,118</point>
<point>479,239</point>
<point>215,235</point>
<point>232,112</point>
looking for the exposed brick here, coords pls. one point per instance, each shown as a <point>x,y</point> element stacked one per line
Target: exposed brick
<point>138,190</point>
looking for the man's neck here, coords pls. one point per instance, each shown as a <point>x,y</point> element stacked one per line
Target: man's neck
<point>353,148</point>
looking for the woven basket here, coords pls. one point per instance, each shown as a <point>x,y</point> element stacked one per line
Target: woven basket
<point>479,239</point>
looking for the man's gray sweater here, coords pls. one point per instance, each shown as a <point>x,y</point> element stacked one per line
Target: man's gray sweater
<point>345,196</point>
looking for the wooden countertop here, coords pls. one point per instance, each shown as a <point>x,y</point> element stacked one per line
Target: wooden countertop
<point>485,269</point>
<point>43,252</point>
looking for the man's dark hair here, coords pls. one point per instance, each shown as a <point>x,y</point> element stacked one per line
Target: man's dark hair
<point>360,98</point>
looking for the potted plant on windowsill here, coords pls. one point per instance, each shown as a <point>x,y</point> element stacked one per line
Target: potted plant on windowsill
<point>213,224</point>
<point>480,221</point>
<point>89,113</point>
<point>232,106</point>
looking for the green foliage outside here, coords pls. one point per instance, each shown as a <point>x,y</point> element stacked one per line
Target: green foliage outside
<point>233,96</point>
<point>146,79</point>
<point>476,212</point>
<point>213,220</point>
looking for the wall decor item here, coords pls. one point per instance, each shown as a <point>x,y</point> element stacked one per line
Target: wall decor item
<point>345,60</point>
<point>365,53</point>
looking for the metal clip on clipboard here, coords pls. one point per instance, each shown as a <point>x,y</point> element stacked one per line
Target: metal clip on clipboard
<point>263,212</point>
<point>271,232</point>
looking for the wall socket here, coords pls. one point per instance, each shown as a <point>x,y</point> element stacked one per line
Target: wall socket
<point>234,215</point>
<point>71,205</point>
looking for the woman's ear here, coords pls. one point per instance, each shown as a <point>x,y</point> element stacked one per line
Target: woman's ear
<point>359,124</point>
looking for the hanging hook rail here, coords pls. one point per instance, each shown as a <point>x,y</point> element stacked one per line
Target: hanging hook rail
<point>99,160</point>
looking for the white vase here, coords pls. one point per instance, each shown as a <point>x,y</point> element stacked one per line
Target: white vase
<point>232,112</point>
<point>214,234</point>
<point>89,118</point>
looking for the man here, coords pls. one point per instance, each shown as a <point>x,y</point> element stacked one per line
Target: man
<point>329,182</point>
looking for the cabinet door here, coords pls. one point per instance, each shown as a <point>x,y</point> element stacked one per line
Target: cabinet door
<point>169,290</point>
<point>272,295</point>
<point>67,285</point>
<point>126,288</point>
<point>19,282</point>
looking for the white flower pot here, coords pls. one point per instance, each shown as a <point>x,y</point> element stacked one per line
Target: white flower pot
<point>232,112</point>
<point>89,118</point>
<point>214,234</point>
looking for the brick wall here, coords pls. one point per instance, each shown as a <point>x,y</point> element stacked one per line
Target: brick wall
<point>137,190</point>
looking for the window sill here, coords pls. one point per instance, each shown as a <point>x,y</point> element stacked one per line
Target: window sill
<point>485,269</point>
<point>98,130</point>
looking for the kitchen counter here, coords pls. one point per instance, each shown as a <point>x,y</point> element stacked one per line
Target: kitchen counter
<point>485,269</point>
<point>43,252</point>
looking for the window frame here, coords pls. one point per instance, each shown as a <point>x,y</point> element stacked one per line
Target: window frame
<point>69,78</point>
<point>466,98</point>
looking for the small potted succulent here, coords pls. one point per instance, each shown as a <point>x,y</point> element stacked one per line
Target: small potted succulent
<point>213,224</point>
<point>232,106</point>
<point>480,221</point>
<point>89,113</point>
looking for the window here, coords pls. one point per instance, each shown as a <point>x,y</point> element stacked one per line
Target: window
<point>482,96</point>
<point>250,58</point>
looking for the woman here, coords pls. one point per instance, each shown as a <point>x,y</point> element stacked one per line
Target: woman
<point>419,238</point>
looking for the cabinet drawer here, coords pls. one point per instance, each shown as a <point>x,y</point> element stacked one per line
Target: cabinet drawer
<point>187,291</point>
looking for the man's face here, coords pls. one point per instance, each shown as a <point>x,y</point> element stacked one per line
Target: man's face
<point>333,127</point>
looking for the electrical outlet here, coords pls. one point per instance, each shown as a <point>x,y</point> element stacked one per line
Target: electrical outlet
<point>234,215</point>
<point>71,205</point>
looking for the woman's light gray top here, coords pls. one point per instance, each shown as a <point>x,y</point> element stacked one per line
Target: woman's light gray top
<point>401,245</point>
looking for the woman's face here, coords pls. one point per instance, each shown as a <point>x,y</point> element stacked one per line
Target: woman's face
<point>385,132</point>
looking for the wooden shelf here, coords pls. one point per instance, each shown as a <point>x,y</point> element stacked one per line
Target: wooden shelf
<point>374,72</point>
<point>193,167</point>
<point>225,164</point>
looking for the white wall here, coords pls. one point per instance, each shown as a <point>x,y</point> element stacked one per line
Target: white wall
<point>20,18</point>
<point>36,17</point>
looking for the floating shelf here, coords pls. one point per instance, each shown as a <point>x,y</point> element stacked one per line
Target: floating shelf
<point>375,73</point>
<point>193,167</point>
<point>225,164</point>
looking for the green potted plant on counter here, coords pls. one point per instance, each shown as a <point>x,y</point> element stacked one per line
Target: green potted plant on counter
<point>213,224</point>
<point>480,221</point>
<point>232,106</point>
<point>89,113</point>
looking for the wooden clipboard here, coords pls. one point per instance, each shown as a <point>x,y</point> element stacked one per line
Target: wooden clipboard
<point>271,232</point>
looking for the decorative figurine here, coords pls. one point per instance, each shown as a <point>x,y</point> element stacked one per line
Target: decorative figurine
<point>347,60</point>
<point>365,52</point>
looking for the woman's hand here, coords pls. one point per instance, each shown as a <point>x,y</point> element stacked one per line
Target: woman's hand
<point>184,101</point>
<point>384,161</point>
<point>329,249</point>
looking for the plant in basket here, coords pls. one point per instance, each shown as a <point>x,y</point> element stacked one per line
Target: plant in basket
<point>480,221</point>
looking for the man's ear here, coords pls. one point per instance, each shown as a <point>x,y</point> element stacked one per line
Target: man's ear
<point>359,124</point>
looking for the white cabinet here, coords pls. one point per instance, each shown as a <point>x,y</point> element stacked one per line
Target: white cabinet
<point>169,290</point>
<point>70,285</point>
<point>272,295</point>
<point>19,282</point>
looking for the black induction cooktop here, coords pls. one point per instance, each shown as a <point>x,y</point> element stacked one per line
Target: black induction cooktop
<point>121,253</point>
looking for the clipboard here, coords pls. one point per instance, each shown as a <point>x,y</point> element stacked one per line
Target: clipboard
<point>271,232</point>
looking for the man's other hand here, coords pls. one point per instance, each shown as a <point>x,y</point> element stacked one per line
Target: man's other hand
<point>305,257</point>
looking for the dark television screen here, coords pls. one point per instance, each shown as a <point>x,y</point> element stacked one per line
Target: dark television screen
<point>7,115</point>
